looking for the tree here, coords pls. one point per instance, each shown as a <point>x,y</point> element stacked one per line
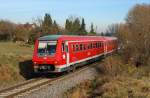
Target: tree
<point>112,30</point>
<point>92,32</point>
<point>83,25</point>
<point>72,26</point>
<point>92,28</point>
<point>76,26</point>
<point>82,28</point>
<point>7,30</point>
<point>47,24</point>
<point>67,24</point>
<point>55,28</point>
<point>135,34</point>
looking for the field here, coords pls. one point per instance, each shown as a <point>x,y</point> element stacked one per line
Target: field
<point>115,80</point>
<point>14,58</point>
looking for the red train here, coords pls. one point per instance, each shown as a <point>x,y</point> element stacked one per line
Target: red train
<point>58,53</point>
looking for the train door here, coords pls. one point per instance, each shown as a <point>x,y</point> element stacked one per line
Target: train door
<point>67,53</point>
<point>105,48</point>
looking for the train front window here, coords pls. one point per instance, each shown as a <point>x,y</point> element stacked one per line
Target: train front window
<point>46,48</point>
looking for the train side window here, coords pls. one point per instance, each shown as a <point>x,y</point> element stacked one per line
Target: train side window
<point>88,46</point>
<point>91,45</point>
<point>100,44</point>
<point>96,44</point>
<point>84,46</point>
<point>77,47</point>
<point>73,48</point>
<point>81,47</point>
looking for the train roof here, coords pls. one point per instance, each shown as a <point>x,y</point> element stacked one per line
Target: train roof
<point>50,37</point>
<point>74,37</point>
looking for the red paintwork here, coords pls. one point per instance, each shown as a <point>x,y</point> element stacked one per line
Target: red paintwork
<point>57,59</point>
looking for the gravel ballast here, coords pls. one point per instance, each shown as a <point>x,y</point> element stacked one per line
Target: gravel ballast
<point>56,89</point>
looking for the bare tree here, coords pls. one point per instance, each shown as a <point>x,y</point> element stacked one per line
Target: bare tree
<point>135,34</point>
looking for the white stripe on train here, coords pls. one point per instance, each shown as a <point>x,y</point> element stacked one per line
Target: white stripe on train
<point>58,68</point>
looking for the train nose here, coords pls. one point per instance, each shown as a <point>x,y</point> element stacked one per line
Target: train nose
<point>44,64</point>
<point>44,60</point>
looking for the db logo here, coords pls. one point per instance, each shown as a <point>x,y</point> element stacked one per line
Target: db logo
<point>88,53</point>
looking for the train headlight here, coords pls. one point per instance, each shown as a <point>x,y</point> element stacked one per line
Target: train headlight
<point>35,62</point>
<point>55,62</point>
<point>36,67</point>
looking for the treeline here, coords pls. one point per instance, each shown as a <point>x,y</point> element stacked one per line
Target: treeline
<point>134,35</point>
<point>27,32</point>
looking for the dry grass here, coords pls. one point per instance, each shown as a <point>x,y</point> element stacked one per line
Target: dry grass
<point>11,54</point>
<point>116,80</point>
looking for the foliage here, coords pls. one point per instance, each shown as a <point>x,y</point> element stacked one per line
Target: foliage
<point>134,35</point>
<point>92,32</point>
<point>7,30</point>
<point>28,32</point>
<point>115,80</point>
<point>112,30</point>
<point>46,24</point>
<point>75,27</point>
<point>83,25</point>
<point>49,26</point>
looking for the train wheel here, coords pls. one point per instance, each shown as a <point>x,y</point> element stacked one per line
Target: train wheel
<point>73,68</point>
<point>69,70</point>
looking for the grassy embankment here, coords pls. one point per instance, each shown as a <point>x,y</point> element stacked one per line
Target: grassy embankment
<point>13,60</point>
<point>115,80</point>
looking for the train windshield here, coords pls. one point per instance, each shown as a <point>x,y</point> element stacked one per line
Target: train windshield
<point>46,48</point>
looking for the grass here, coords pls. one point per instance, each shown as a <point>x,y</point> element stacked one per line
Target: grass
<point>11,54</point>
<point>115,80</point>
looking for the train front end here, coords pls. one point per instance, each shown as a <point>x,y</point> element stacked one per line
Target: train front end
<point>44,57</point>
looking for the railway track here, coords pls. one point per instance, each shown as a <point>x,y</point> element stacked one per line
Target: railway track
<point>36,83</point>
<point>23,87</point>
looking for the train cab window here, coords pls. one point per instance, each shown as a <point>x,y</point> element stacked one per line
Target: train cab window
<point>46,48</point>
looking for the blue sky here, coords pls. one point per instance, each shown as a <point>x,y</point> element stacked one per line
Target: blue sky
<point>100,12</point>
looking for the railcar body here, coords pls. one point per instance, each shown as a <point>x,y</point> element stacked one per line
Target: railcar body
<point>58,53</point>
